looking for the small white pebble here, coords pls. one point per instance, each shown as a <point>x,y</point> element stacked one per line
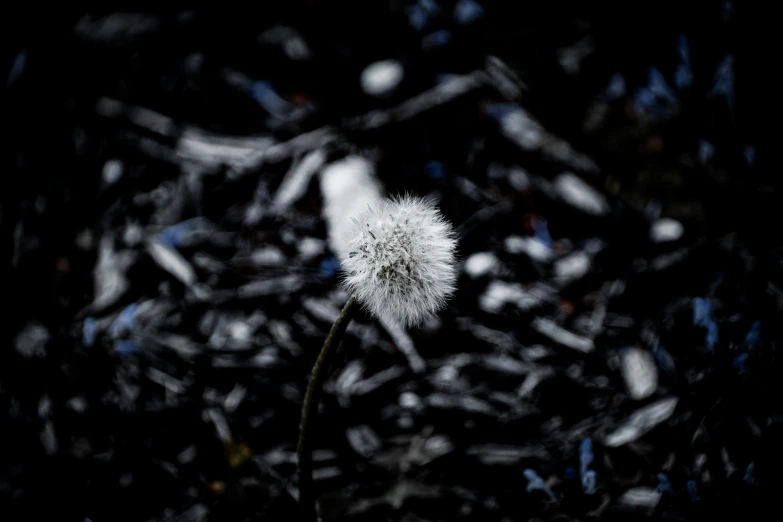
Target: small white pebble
<point>133,235</point>
<point>269,256</point>
<point>240,331</point>
<point>572,267</point>
<point>78,404</point>
<point>112,171</point>
<point>639,372</point>
<point>666,229</point>
<point>480,264</point>
<point>409,400</point>
<point>311,247</point>
<point>382,77</point>
<point>518,179</point>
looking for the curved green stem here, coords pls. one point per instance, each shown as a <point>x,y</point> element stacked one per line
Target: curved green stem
<point>304,449</point>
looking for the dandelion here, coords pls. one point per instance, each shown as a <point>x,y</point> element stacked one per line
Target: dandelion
<point>398,262</point>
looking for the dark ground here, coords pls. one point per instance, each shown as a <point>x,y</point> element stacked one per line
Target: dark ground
<point>161,319</point>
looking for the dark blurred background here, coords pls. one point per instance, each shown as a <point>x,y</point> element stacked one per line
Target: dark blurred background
<point>169,271</point>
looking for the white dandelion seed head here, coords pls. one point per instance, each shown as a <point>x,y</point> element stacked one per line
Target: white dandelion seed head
<point>400,260</point>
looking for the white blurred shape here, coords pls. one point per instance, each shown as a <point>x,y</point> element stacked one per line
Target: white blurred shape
<point>639,371</point>
<point>519,127</point>
<point>220,422</point>
<point>269,256</point>
<point>289,39</point>
<point>528,245</point>
<point>642,497</point>
<point>49,439</point>
<point>579,194</point>
<point>198,147</point>
<point>404,343</point>
<point>666,229</point>
<point>31,342</point>
<point>572,267</point>
<point>382,77</point>
<point>349,186</point>
<point>112,171</point>
<point>310,248</point>
<point>296,181</point>
<point>77,404</point>
<point>532,380</point>
<point>570,58</point>
<point>171,261</point>
<point>409,400</point>
<point>232,401</point>
<point>558,334</point>
<point>110,281</point>
<point>706,151</point>
<point>641,421</point>
<point>480,263</point>
<point>500,293</point>
<point>519,179</point>
<point>44,407</point>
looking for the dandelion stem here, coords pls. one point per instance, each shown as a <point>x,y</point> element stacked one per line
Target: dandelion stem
<point>310,409</point>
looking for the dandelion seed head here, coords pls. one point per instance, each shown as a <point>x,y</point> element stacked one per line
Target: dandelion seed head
<point>400,260</point>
